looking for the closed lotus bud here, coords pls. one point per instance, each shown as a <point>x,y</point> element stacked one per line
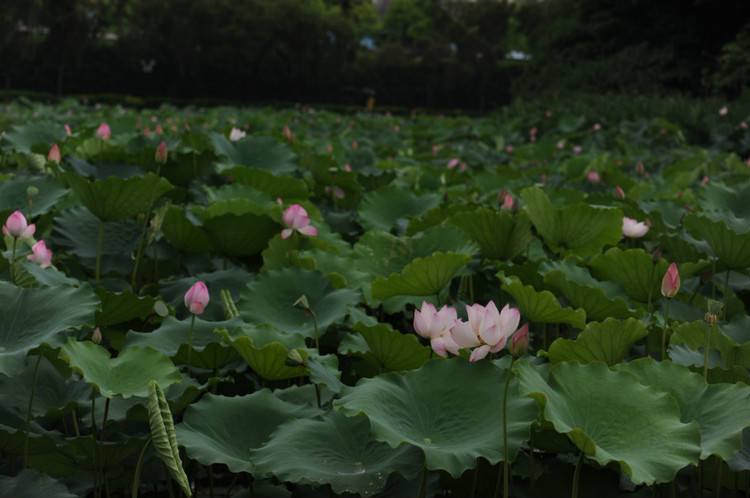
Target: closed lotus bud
<point>670,284</point>
<point>161,153</point>
<point>519,343</point>
<point>54,154</point>
<point>196,298</point>
<point>103,132</point>
<point>619,193</point>
<point>656,255</point>
<point>96,337</point>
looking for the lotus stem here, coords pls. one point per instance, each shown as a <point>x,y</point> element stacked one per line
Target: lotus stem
<point>577,475</point>
<point>664,332</point>
<point>97,272</point>
<point>74,416</point>
<point>705,353</point>
<point>423,486</point>
<point>13,261</point>
<point>31,404</point>
<point>190,344</point>
<point>139,251</point>
<point>506,463</point>
<point>719,469</point>
<point>138,467</point>
<point>726,294</point>
<point>315,323</point>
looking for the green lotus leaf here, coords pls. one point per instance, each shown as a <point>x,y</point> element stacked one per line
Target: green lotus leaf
<point>324,370</point>
<point>336,450</point>
<point>387,208</point>
<point>77,231</point>
<point>741,460</point>
<point>127,375</point>
<point>265,349</point>
<point>614,418</point>
<point>634,269</point>
<point>541,307</point>
<point>275,186</point>
<point>608,342</point>
<point>163,436</point>
<point>22,138</point>
<point>31,317</point>
<point>120,307</point>
<point>594,300</point>
<point>719,198</point>
<point>30,483</point>
<point>383,349</point>
<point>234,279</point>
<point>116,199</point>
<point>237,191</point>
<point>422,277</point>
<point>209,433</point>
<point>228,225</point>
<point>257,152</point>
<point>732,248</point>
<point>721,410</point>
<point>183,234</point>
<point>13,194</point>
<point>421,408</point>
<point>500,234</point>
<point>87,453</point>
<point>578,229</point>
<point>269,299</point>
<point>693,335</point>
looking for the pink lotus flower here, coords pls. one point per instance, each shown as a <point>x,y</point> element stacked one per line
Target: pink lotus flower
<point>577,149</point>
<point>287,134</point>
<point>632,228</point>
<point>196,298</point>
<point>16,226</point>
<point>355,145</point>
<point>723,111</point>
<point>597,127</point>
<point>41,255</point>
<point>507,203</point>
<point>67,130</point>
<point>560,144</point>
<point>103,132</point>
<point>519,343</point>
<point>336,191</point>
<point>295,218</point>
<point>670,284</point>
<point>236,134</point>
<point>54,154</point>
<point>161,153</point>
<point>453,163</point>
<point>593,177</point>
<point>487,329</point>
<point>619,193</point>
<point>435,326</point>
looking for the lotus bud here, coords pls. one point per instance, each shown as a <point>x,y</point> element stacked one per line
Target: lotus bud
<point>161,153</point>
<point>96,337</point>
<point>670,284</point>
<point>54,154</point>
<point>656,255</point>
<point>16,226</point>
<point>619,193</point>
<point>40,254</point>
<point>519,343</point>
<point>103,132</point>
<point>196,298</point>
<point>294,359</point>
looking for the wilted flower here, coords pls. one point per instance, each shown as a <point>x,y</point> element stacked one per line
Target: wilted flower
<point>435,326</point>
<point>103,132</point>
<point>41,255</point>
<point>16,226</point>
<point>236,134</point>
<point>632,228</point>
<point>161,153</point>
<point>196,298</point>
<point>670,284</point>
<point>54,154</point>
<point>487,328</point>
<point>295,218</point>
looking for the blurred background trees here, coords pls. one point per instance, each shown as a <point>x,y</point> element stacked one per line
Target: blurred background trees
<point>434,53</point>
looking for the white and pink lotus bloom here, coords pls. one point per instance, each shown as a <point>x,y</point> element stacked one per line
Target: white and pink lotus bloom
<point>103,132</point>
<point>633,228</point>
<point>487,329</point>
<point>236,134</point>
<point>17,227</point>
<point>196,298</point>
<point>41,255</point>
<point>295,218</point>
<point>435,326</point>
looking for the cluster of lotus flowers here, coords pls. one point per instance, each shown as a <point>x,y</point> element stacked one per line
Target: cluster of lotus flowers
<point>486,331</point>
<point>17,228</point>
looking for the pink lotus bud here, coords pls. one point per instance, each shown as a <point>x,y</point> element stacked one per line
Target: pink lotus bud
<point>355,145</point>
<point>548,114</point>
<point>597,127</point>
<point>347,167</point>
<point>103,132</point>
<point>16,226</point>
<point>147,131</point>
<point>670,284</point>
<point>96,337</point>
<point>159,130</point>
<point>54,154</point>
<point>329,149</point>
<point>161,153</point>
<point>593,177</point>
<point>196,298</point>
<point>287,134</point>
<point>397,128</point>
<point>663,131</point>
<point>509,149</point>
<point>453,163</point>
<point>704,181</point>
<point>560,144</point>
<point>236,134</point>
<point>507,203</point>
<point>619,193</point>
<point>41,255</point>
<point>435,149</point>
<point>639,168</point>
<point>295,218</point>
<point>577,149</point>
<point>519,343</point>
<point>632,228</point>
<point>67,130</point>
<point>533,131</point>
<point>743,125</point>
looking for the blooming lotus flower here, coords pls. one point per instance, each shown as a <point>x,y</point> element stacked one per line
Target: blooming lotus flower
<point>453,163</point>
<point>295,218</point>
<point>16,226</point>
<point>723,111</point>
<point>196,298</point>
<point>597,127</point>
<point>519,343</point>
<point>577,149</point>
<point>41,255</point>
<point>435,326</point>
<point>54,154</point>
<point>487,328</point>
<point>161,153</point>
<point>236,134</point>
<point>632,228</point>
<point>670,284</point>
<point>103,132</point>
<point>560,144</point>
<point>593,177</point>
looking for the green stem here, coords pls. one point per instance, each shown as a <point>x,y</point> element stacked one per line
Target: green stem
<point>650,290</point>
<point>423,486</point>
<point>705,353</point>
<point>31,404</point>
<point>664,333</point>
<point>139,251</point>
<point>97,272</point>
<point>474,482</point>
<point>713,282</point>
<point>74,416</point>
<point>726,294</point>
<point>190,344</point>
<point>531,462</point>
<point>13,261</point>
<point>315,323</point>
<point>506,462</point>
<point>719,469</point>
<point>577,476</point>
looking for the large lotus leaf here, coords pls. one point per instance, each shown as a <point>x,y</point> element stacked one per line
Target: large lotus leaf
<point>210,432</point>
<point>500,234</point>
<point>257,152</point>
<point>388,207</point>
<point>593,299</point>
<point>98,455</point>
<point>172,336</point>
<point>721,198</point>
<point>422,277</point>
<point>741,460</point>
<point>384,349</point>
<point>30,483</point>
<point>77,230</point>
<point>13,194</point>
<point>578,229</point>
<point>422,408</point>
<point>240,234</point>
<point>127,375</point>
<point>541,307</point>
<point>634,269</point>
<point>608,341</point>
<point>120,307</point>
<point>732,248</point>
<point>721,410</point>
<point>271,296</point>
<point>21,138</point>
<point>614,418</point>
<point>275,186</point>
<point>237,191</point>
<point>265,350</point>
<point>31,317</point>
<point>693,335</point>
<point>336,450</point>
<point>183,234</point>
<point>115,198</point>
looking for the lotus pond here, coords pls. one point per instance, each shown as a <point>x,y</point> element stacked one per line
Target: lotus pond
<point>276,303</point>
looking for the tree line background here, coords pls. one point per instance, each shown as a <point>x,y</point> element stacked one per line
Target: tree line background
<point>426,53</point>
